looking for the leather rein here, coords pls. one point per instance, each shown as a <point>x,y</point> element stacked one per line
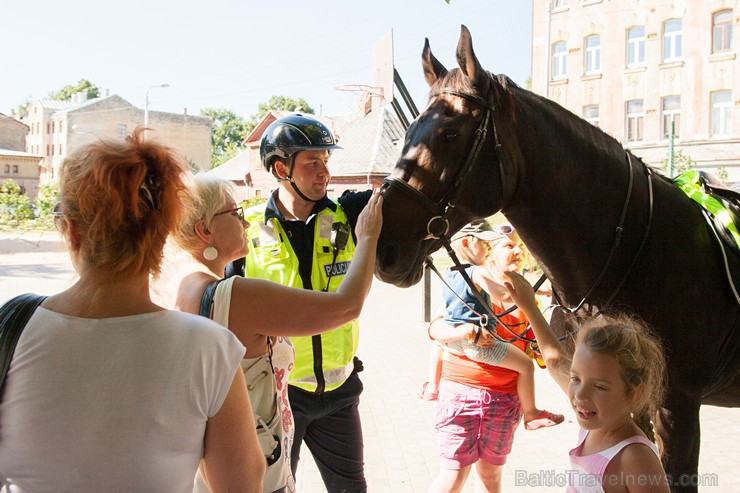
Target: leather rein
<point>438,226</point>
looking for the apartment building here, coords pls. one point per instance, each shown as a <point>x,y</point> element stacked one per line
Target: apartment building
<point>15,163</point>
<point>648,72</point>
<point>57,128</point>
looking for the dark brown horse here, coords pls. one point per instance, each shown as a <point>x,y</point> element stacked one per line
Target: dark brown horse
<point>608,233</point>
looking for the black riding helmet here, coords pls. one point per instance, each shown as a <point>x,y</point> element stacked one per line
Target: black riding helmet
<point>290,134</point>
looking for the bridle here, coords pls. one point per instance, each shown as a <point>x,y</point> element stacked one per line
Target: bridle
<point>442,209</point>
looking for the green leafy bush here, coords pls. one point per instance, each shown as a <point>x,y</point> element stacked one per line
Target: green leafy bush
<point>14,206</point>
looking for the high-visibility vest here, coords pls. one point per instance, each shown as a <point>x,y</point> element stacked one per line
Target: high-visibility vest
<point>271,256</point>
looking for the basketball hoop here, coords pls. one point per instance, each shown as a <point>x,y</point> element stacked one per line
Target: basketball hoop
<point>359,99</point>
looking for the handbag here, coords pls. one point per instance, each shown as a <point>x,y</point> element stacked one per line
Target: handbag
<point>262,388</point>
<point>14,315</point>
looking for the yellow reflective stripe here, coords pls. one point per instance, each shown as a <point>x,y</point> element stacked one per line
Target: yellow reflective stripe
<point>332,378</point>
<point>690,183</point>
<point>272,257</point>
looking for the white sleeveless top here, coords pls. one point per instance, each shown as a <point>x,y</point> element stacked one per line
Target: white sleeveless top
<point>283,357</point>
<point>112,404</point>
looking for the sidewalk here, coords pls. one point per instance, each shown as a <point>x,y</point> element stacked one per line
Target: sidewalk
<point>399,440</point>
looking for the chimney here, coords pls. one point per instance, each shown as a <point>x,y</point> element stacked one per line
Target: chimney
<point>79,97</point>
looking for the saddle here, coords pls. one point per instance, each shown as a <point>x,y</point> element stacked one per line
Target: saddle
<point>721,204</point>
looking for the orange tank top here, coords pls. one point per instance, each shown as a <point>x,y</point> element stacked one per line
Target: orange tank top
<point>458,368</point>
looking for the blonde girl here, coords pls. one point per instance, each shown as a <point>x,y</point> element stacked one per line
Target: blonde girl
<point>614,382</point>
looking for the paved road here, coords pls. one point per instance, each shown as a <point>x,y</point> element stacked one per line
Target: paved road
<point>399,443</point>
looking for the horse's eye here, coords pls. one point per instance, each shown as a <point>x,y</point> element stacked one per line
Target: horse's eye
<point>449,136</point>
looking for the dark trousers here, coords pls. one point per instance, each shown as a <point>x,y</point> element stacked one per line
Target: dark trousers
<point>330,425</point>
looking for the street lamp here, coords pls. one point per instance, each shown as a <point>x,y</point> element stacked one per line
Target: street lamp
<point>146,104</point>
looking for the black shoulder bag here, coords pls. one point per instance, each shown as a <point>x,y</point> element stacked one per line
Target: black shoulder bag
<point>206,301</point>
<point>14,316</point>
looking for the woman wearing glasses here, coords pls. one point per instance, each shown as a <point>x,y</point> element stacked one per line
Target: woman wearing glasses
<point>263,314</point>
<point>106,390</point>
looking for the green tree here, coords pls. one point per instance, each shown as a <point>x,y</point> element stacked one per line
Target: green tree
<point>14,206</point>
<point>681,162</point>
<point>230,130</point>
<point>84,85</point>
<point>47,198</point>
<point>279,103</point>
<point>227,134</point>
<point>22,108</point>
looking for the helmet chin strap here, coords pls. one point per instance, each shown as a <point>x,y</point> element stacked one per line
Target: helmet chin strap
<point>298,191</point>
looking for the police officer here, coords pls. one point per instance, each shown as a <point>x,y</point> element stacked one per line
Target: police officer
<point>301,238</point>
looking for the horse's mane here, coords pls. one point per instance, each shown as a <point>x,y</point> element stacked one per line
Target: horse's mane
<point>511,100</point>
<point>514,97</point>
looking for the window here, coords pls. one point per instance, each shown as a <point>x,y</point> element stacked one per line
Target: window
<point>592,60</point>
<point>7,168</point>
<point>635,120</point>
<point>671,114</point>
<point>60,125</point>
<point>60,149</point>
<point>722,31</point>
<point>636,46</point>
<point>721,117</point>
<point>559,60</point>
<point>15,169</point>
<point>121,130</point>
<point>591,114</point>
<point>47,149</point>
<point>557,4</point>
<point>52,126</point>
<point>672,40</point>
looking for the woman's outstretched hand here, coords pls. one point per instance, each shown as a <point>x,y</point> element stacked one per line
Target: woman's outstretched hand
<point>370,220</point>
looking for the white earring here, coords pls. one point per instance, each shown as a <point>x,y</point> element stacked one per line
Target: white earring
<point>210,253</point>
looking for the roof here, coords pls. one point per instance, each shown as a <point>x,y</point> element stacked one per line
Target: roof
<point>113,99</point>
<point>9,152</point>
<point>54,104</point>
<point>371,144</point>
<point>256,134</point>
<point>233,170</point>
<point>13,120</point>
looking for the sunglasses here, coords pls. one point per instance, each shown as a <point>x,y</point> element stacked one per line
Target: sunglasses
<point>239,211</point>
<point>504,229</point>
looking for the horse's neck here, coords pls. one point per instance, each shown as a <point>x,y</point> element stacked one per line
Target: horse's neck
<point>567,212</point>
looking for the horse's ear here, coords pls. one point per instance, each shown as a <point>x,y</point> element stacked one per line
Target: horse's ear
<point>466,56</point>
<point>433,70</point>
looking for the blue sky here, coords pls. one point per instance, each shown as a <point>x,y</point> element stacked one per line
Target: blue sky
<point>236,54</point>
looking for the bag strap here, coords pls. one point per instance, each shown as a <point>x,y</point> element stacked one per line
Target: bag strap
<point>206,302</point>
<point>14,315</point>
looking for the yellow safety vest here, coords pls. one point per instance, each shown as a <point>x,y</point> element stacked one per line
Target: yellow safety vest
<point>271,257</point>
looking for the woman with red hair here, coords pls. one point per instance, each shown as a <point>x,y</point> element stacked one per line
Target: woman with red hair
<point>106,390</point>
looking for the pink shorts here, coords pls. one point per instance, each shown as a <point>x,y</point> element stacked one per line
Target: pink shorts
<point>474,424</point>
